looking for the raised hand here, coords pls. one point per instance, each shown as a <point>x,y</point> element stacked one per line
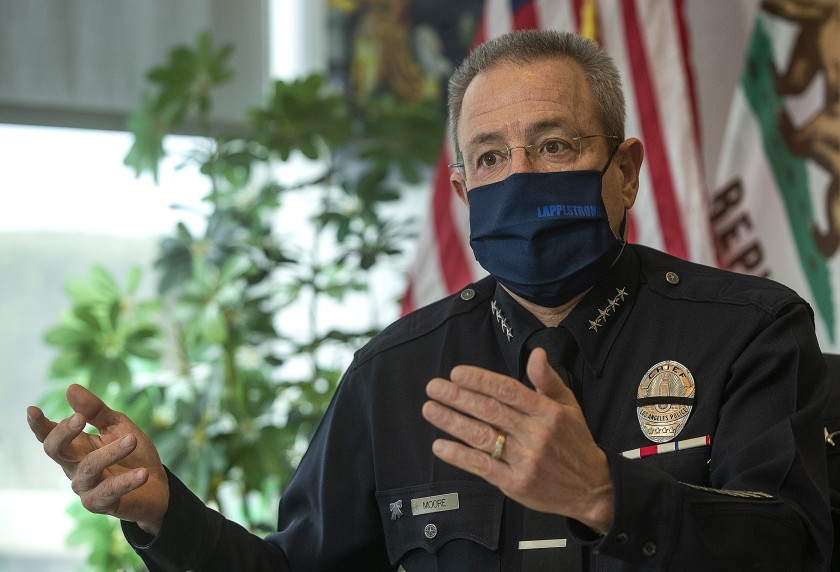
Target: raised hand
<point>546,460</point>
<point>117,472</point>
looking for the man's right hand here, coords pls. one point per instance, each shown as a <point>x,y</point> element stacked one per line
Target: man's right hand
<point>117,472</point>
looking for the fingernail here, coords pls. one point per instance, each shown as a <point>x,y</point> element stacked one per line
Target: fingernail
<point>127,441</point>
<point>75,422</point>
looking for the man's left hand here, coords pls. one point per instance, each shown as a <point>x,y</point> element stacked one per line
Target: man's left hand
<point>549,461</point>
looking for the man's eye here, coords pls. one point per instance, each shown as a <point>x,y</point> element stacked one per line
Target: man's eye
<point>487,160</point>
<point>554,146</point>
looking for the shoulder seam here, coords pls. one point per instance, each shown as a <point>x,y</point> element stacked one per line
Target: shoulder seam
<point>459,306</point>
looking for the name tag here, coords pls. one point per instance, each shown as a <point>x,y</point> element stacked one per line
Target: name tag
<point>437,503</point>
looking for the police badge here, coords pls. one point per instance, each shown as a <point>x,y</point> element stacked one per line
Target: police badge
<point>664,400</point>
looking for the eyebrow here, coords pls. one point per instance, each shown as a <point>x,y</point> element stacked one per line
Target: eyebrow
<point>548,125</point>
<point>531,131</point>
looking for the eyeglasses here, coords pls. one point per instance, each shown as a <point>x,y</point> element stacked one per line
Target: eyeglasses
<point>488,163</point>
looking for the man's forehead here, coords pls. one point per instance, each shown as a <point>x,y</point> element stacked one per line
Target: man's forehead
<point>515,99</point>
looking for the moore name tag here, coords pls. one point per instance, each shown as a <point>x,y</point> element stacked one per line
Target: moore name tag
<point>438,503</point>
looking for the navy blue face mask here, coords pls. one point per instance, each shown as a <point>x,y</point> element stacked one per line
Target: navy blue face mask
<point>545,236</point>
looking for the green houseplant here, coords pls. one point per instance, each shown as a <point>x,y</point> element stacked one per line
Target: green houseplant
<point>228,390</point>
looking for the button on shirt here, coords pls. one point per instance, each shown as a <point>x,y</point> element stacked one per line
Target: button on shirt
<point>753,496</point>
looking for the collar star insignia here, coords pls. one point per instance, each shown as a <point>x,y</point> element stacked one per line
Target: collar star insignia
<point>829,437</point>
<point>500,317</point>
<point>609,310</point>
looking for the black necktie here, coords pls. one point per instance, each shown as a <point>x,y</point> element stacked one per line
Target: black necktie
<point>561,348</point>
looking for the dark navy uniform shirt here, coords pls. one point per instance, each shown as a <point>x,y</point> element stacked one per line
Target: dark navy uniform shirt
<point>754,498</point>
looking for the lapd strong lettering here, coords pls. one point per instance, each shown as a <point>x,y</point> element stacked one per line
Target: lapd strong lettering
<point>582,211</point>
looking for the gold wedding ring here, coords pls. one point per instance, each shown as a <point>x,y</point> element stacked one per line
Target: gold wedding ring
<point>500,446</point>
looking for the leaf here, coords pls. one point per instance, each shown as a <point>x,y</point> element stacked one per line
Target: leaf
<point>114,312</point>
<point>65,364</point>
<point>133,282</point>
<point>212,326</point>
<point>67,335</point>
<point>105,370</point>
<point>86,315</point>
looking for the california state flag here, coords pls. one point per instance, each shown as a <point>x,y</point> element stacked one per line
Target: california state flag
<point>775,205</point>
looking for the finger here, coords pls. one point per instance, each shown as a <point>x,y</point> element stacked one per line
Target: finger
<point>487,409</point>
<point>500,387</point>
<point>58,443</point>
<point>38,423</point>
<point>106,496</point>
<point>474,433</point>
<point>546,380</point>
<point>91,407</point>
<point>91,468</point>
<point>472,461</point>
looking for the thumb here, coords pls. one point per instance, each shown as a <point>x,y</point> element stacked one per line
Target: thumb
<point>547,381</point>
<point>90,407</point>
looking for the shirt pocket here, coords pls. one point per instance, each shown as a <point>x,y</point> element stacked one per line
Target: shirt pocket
<point>688,466</point>
<point>440,512</point>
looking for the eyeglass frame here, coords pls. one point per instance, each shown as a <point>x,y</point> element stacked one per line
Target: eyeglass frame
<point>459,164</point>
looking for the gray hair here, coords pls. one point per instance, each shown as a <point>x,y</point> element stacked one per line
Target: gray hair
<point>527,46</point>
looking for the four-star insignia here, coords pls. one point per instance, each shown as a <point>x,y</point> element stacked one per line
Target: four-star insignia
<point>500,317</point>
<point>603,313</point>
<point>608,310</point>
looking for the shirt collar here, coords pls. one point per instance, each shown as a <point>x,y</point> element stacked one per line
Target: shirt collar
<point>513,325</point>
<point>594,322</point>
<point>597,319</point>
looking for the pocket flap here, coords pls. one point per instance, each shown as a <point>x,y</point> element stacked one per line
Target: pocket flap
<point>428,516</point>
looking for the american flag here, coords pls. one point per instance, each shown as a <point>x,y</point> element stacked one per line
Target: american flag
<point>648,40</point>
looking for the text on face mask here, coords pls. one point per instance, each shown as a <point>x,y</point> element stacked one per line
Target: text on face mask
<point>582,211</point>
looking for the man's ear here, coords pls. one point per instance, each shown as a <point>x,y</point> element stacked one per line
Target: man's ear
<point>629,157</point>
<point>459,186</point>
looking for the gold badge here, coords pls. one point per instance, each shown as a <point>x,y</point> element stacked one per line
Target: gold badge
<point>664,400</point>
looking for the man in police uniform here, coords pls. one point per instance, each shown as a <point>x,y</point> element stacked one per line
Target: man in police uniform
<point>590,405</point>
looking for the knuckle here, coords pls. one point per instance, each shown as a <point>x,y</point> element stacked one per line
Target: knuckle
<point>476,435</point>
<point>507,391</point>
<point>484,465</point>
<point>488,440</point>
<point>542,437</point>
<point>77,488</point>
<point>52,446</point>
<point>49,448</point>
<point>85,469</point>
<point>520,485</point>
<point>528,482</point>
<point>490,410</point>
<point>555,419</point>
<point>91,502</point>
